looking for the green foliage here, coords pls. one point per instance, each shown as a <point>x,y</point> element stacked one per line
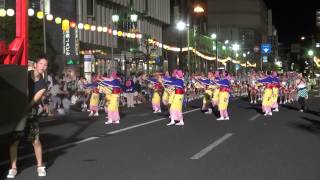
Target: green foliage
<point>35,38</point>
<point>7,33</point>
<point>7,28</point>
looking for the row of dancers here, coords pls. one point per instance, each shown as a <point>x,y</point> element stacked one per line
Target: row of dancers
<point>171,91</point>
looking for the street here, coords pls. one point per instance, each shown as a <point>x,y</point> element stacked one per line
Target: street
<point>249,146</point>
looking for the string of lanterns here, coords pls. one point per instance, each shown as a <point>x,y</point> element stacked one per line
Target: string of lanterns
<point>198,53</point>
<point>67,24</point>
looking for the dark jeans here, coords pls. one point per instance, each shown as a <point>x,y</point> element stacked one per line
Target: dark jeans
<point>302,102</point>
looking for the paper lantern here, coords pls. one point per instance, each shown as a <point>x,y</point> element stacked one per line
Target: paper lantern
<point>10,12</point>
<point>93,28</point>
<point>65,25</point>
<point>30,12</point>
<point>80,26</point>
<point>86,26</point>
<point>3,12</point>
<point>49,17</point>
<point>99,29</point>
<point>58,20</point>
<point>40,15</point>
<point>73,24</point>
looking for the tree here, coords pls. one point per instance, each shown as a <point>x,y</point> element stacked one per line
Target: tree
<point>7,33</point>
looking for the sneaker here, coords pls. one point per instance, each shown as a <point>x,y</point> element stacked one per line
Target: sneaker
<point>251,102</point>
<point>301,110</point>
<point>220,119</point>
<point>96,114</point>
<point>41,171</point>
<point>108,122</point>
<point>12,173</point>
<point>159,111</point>
<point>91,114</point>
<point>270,113</point>
<point>116,122</point>
<point>255,102</point>
<point>209,111</point>
<point>227,118</point>
<point>171,123</point>
<point>276,110</point>
<point>181,123</point>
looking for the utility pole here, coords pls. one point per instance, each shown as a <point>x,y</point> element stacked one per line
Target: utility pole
<point>44,27</point>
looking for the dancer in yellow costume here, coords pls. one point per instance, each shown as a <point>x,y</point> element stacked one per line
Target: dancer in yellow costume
<point>177,100</point>
<point>113,98</point>
<point>224,90</point>
<point>267,95</point>
<point>156,99</point>
<point>94,103</point>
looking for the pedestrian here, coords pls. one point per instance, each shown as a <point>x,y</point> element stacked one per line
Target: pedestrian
<point>129,89</point>
<point>37,88</point>
<point>302,92</point>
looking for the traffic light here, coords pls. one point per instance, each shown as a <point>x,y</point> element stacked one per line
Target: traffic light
<point>70,62</point>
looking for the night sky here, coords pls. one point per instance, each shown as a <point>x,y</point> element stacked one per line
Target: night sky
<point>293,18</point>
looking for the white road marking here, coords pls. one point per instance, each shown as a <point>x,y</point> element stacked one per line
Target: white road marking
<point>209,148</point>
<point>255,117</point>
<point>94,137</point>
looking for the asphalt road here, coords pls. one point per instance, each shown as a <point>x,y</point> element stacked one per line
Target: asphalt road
<point>250,146</point>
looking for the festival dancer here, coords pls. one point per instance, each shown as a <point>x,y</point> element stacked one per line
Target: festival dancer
<point>253,88</point>
<point>215,96</point>
<point>113,98</point>
<point>168,88</point>
<point>275,91</point>
<point>94,102</point>
<point>224,90</point>
<point>177,99</point>
<point>156,99</point>
<point>267,95</point>
<point>207,94</point>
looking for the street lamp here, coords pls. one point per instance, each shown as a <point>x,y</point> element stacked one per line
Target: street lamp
<point>134,17</point>
<point>236,47</point>
<point>181,25</point>
<point>311,55</point>
<point>115,18</point>
<point>214,37</point>
<point>198,9</point>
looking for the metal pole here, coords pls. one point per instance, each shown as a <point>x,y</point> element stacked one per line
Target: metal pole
<point>44,28</point>
<point>216,41</point>
<point>188,58</point>
<point>147,48</point>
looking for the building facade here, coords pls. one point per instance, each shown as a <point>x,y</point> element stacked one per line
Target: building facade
<point>247,22</point>
<point>106,52</point>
